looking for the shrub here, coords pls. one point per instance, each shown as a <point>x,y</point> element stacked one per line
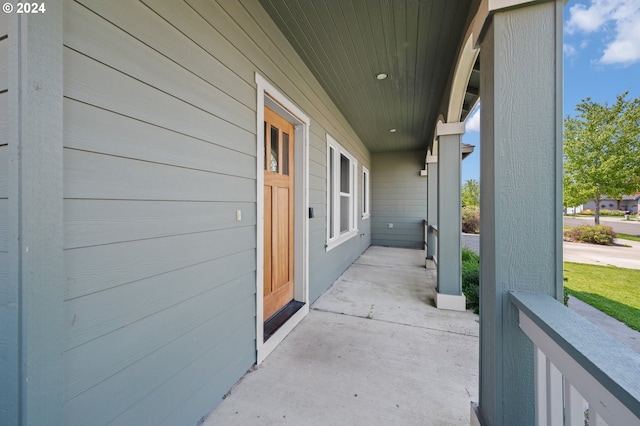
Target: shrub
<point>598,234</point>
<point>471,278</point>
<point>470,256</point>
<point>470,220</point>
<point>606,212</point>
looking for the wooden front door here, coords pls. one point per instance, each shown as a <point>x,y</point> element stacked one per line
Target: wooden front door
<point>278,212</point>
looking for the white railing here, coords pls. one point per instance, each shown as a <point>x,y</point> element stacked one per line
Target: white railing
<point>434,232</point>
<point>431,230</point>
<point>426,236</point>
<point>583,375</point>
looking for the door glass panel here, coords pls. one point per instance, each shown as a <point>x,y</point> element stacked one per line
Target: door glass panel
<point>285,154</point>
<point>344,174</point>
<point>273,164</point>
<point>266,146</point>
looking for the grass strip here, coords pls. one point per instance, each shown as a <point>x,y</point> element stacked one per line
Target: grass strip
<point>628,237</point>
<point>614,291</point>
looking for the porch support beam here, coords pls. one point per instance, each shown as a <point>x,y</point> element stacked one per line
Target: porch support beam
<point>432,205</point>
<point>521,196</point>
<point>31,310</point>
<point>449,291</point>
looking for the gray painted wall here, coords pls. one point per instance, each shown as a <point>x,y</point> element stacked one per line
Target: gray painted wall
<point>159,153</point>
<point>398,196</point>
<point>4,210</point>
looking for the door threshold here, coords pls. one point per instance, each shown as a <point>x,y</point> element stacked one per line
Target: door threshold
<point>279,318</point>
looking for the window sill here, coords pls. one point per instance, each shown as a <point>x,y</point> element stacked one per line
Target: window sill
<point>341,239</point>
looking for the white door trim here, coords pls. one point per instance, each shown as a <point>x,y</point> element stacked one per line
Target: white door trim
<point>266,92</point>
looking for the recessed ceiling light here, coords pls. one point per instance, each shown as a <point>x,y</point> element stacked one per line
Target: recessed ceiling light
<point>393,130</point>
<point>381,76</point>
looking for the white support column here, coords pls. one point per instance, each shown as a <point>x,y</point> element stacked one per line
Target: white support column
<point>521,172</point>
<point>449,292</point>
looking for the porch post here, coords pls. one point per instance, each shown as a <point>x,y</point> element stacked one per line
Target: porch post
<point>521,195</point>
<point>449,292</point>
<point>432,204</point>
<point>31,308</point>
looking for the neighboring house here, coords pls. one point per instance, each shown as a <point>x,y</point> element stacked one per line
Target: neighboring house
<point>176,174</point>
<point>627,203</point>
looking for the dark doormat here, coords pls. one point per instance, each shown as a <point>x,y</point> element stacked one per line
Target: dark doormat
<point>275,322</point>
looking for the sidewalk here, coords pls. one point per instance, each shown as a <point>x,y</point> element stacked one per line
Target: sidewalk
<point>594,254</point>
<point>374,350</point>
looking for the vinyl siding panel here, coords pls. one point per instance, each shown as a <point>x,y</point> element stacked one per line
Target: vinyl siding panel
<point>97,130</point>
<point>90,175</point>
<point>91,82</point>
<point>99,268</point>
<point>191,378</point>
<point>103,312</point>
<point>159,154</point>
<point>398,196</point>
<point>99,222</point>
<point>168,363</point>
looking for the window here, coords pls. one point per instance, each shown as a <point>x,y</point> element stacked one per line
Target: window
<point>365,192</point>
<point>342,169</point>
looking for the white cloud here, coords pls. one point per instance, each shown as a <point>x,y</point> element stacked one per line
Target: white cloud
<point>619,20</point>
<point>625,49</point>
<point>569,50</point>
<point>588,19</point>
<point>472,124</point>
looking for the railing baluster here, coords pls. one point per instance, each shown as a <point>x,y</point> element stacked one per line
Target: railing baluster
<point>554,395</point>
<point>541,386</point>
<point>594,418</point>
<point>573,405</point>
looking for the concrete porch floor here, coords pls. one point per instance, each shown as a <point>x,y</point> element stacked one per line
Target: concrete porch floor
<point>374,350</point>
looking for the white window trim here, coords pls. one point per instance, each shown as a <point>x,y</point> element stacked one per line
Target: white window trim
<point>366,193</point>
<point>335,203</point>
<point>265,93</point>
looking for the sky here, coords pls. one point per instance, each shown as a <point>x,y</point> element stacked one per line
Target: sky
<point>601,61</point>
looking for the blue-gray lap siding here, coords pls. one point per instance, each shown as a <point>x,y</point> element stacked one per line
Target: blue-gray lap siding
<point>398,197</point>
<point>4,207</point>
<point>159,154</point>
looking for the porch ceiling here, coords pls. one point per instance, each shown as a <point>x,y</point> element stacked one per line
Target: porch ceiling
<point>346,43</point>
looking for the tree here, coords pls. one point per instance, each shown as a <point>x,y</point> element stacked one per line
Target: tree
<point>471,193</point>
<point>602,151</point>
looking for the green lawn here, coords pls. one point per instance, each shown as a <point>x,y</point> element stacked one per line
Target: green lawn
<point>628,237</point>
<point>614,291</point>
